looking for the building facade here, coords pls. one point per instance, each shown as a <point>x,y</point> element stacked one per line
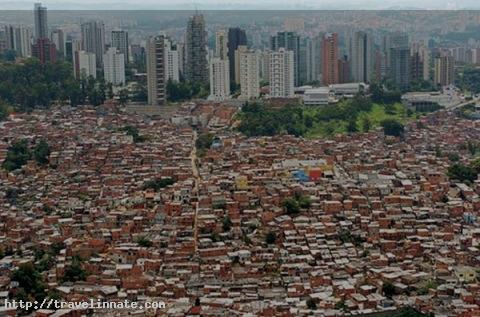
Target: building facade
<point>84,65</point>
<point>93,39</point>
<point>120,42</point>
<point>114,67</point>
<point>282,73</point>
<point>236,37</point>
<point>249,75</point>
<point>156,70</point>
<point>330,59</point>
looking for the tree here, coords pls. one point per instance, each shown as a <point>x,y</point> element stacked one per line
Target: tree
<point>392,127</point>
<point>158,183</point>
<point>123,97</point>
<point>226,224</point>
<point>462,173</point>
<point>271,237</point>
<point>41,152</point>
<point>352,125</point>
<point>18,154</point>
<point>74,272</point>
<point>291,206</point>
<point>311,303</point>
<point>388,289</point>
<point>366,124</point>
<point>29,282</point>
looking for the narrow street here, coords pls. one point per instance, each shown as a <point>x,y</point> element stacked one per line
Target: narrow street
<point>196,175</point>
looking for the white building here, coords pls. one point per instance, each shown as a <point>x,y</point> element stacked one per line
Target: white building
<point>249,75</point>
<point>172,69</point>
<point>281,73</point>
<point>84,65</point>
<point>219,79</point>
<point>114,67</point>
<point>318,96</point>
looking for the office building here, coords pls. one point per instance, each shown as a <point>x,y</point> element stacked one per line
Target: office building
<point>40,20</point>
<point>156,70</point>
<point>330,59</point>
<point>282,73</point>
<point>221,44</point>
<point>84,64</point>
<point>196,68</point>
<point>249,75</point>
<point>120,42</point>
<point>114,67</point>
<point>93,39</point>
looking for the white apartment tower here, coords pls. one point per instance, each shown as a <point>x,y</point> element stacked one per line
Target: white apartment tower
<point>220,69</point>
<point>84,65</point>
<point>172,69</point>
<point>249,75</point>
<point>114,67</point>
<point>156,70</point>
<point>281,74</point>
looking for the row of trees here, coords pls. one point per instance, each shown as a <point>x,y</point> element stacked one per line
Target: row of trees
<point>30,85</point>
<point>185,90</point>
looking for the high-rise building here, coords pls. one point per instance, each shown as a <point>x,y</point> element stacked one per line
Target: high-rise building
<point>72,46</point>
<point>330,59</point>
<point>93,39</point>
<point>84,64</point>
<point>400,67</point>
<point>171,61</point>
<point>221,44</point>
<point>344,67</point>
<point>181,59</point>
<point>18,39</point>
<point>313,59</point>
<point>290,41</point>
<point>282,73</point>
<point>249,75</point>
<point>40,20</point>
<point>362,57</point>
<point>240,49</point>
<point>120,42</point>
<point>236,37</point>
<point>219,79</point>
<point>138,54</point>
<point>219,69</point>
<point>264,66</point>
<point>114,67</point>
<point>196,68</point>
<point>44,50</point>
<point>444,70</point>
<point>156,70</point>
<point>58,38</point>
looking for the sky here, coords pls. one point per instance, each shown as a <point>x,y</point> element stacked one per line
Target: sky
<point>242,4</point>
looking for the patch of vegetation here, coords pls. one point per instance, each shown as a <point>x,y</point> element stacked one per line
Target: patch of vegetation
<point>203,143</point>
<point>133,131</point>
<point>185,90</point>
<point>393,127</point>
<point>18,154</point>
<point>158,183</point>
<point>463,173</point>
<point>143,241</point>
<point>293,205</point>
<point>30,284</point>
<point>388,289</point>
<point>75,271</point>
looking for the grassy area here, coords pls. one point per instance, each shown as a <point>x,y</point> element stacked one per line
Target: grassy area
<point>375,116</point>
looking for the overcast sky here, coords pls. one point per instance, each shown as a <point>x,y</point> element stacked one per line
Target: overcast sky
<point>243,4</point>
